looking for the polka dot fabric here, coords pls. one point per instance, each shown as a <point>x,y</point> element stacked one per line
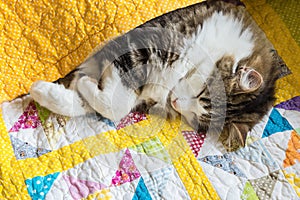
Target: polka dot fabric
<point>195,140</point>
<point>278,33</point>
<point>35,176</point>
<point>12,180</point>
<point>44,40</point>
<point>39,186</point>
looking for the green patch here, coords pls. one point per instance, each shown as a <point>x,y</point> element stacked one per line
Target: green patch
<point>249,193</point>
<point>152,147</point>
<point>43,113</point>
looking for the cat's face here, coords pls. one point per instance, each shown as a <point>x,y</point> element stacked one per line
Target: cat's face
<point>231,83</point>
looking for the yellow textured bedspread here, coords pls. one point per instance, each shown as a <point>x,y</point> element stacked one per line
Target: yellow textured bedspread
<point>44,40</point>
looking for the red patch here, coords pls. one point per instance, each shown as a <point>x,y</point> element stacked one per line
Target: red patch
<point>130,119</point>
<point>195,140</point>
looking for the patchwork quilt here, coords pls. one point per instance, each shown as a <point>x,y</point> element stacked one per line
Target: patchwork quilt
<point>44,155</point>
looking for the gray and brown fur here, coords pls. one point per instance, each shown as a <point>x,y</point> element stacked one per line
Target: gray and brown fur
<point>135,55</point>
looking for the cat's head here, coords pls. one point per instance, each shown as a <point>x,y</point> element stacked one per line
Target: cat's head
<point>233,99</point>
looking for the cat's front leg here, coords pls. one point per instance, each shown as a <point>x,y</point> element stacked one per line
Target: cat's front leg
<point>158,110</point>
<point>114,101</point>
<point>165,112</point>
<point>58,99</point>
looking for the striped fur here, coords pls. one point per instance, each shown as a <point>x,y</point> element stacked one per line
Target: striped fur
<point>208,62</point>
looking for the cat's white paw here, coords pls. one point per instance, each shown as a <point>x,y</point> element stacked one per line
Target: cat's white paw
<point>86,83</point>
<point>58,99</point>
<point>101,101</point>
<point>41,91</point>
<point>114,101</point>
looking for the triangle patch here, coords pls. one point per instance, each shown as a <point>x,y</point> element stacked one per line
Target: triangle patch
<point>293,180</point>
<point>102,194</point>
<point>264,186</point>
<point>53,132</point>
<point>39,186</point>
<point>292,104</point>
<point>43,112</point>
<point>251,139</point>
<point>82,188</point>
<point>195,140</point>
<point>153,147</point>
<point>298,130</point>
<point>127,171</point>
<point>130,119</point>
<point>29,119</point>
<point>157,180</point>
<point>105,120</point>
<point>292,153</point>
<point>141,191</point>
<point>224,162</point>
<point>256,152</point>
<point>249,192</point>
<point>275,124</point>
<point>24,150</point>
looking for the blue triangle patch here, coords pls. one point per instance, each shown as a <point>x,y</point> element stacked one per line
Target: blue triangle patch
<point>275,124</point>
<point>157,180</point>
<point>39,186</point>
<point>141,192</point>
<point>24,150</point>
<point>256,152</point>
<point>224,162</point>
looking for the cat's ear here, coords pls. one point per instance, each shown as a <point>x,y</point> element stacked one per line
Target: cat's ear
<point>250,80</point>
<point>280,67</point>
<point>241,131</point>
<point>234,136</point>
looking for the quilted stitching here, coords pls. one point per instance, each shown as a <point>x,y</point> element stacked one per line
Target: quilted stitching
<point>44,40</point>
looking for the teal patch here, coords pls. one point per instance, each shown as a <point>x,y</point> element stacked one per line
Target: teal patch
<point>141,192</point>
<point>275,124</point>
<point>39,186</point>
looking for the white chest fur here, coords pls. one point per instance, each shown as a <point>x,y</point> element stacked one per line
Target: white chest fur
<point>219,35</point>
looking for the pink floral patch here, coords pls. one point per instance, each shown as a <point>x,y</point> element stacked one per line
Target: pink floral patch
<point>29,119</point>
<point>130,119</point>
<point>127,171</point>
<point>195,140</point>
<point>82,188</point>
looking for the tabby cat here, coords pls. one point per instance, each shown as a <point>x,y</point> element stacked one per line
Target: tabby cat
<point>209,62</point>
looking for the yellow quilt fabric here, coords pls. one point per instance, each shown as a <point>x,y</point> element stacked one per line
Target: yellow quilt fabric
<point>44,40</point>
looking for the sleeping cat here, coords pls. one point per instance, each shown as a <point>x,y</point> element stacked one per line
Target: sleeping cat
<point>208,62</point>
